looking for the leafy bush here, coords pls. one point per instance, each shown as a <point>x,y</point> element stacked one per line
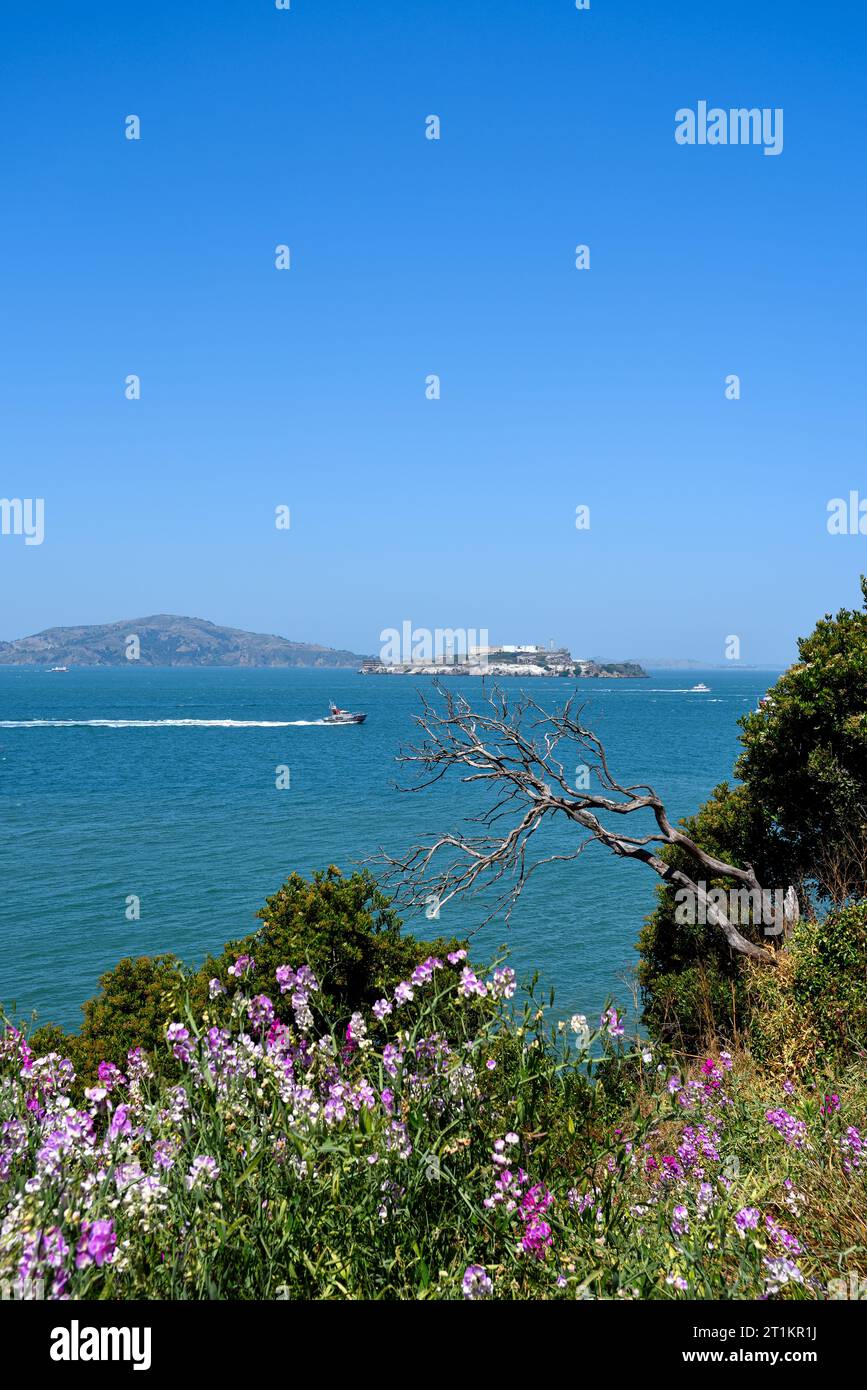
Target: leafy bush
<point>799,817</point>
<point>344,928</point>
<point>805,752</point>
<point>815,1005</point>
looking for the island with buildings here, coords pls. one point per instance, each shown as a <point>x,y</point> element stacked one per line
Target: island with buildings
<point>532,660</point>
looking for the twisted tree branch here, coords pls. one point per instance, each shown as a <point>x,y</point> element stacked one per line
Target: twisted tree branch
<point>517,750</point>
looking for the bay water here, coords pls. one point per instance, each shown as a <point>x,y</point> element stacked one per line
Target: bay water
<point>162,785</point>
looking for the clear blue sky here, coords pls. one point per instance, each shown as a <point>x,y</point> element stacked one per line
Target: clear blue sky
<point>413,257</point>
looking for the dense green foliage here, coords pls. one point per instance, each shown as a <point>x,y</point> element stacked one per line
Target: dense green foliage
<point>805,752</point>
<point>798,816</point>
<point>813,1009</point>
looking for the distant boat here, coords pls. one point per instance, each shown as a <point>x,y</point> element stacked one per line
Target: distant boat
<point>336,715</point>
<point>57,668</point>
<point>700,689</point>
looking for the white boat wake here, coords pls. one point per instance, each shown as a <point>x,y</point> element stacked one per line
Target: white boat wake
<point>163,723</point>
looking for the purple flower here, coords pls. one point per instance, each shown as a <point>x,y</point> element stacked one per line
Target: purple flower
<point>712,1076</point>
<point>781,1238</point>
<point>285,978</point>
<point>203,1171</point>
<point>381,1009</point>
<point>502,983</point>
<point>852,1148</point>
<point>455,957</point>
<point>470,984</point>
<point>244,965</point>
<point>306,979</point>
<point>96,1244</point>
<point>164,1156</point>
<point>260,1011</point>
<point>793,1130</point>
<point>704,1200</point>
<point>424,972</point>
<point>137,1064</point>
<point>42,1248</point>
<point>476,1283</point>
<point>611,1020</point>
<point>779,1273</point>
<point>120,1122</point>
<point>679,1221</point>
<point>178,1036</point>
<point>537,1200</point>
<point>110,1075</point>
<point>747,1219</point>
<point>537,1238</point>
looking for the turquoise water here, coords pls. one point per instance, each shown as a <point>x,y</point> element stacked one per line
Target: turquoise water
<point>188,818</point>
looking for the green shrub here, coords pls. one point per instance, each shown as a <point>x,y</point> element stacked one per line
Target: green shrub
<point>813,1009</point>
<point>345,929</point>
<point>798,817</point>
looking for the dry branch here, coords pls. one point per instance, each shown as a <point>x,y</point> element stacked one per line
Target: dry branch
<point>517,750</point>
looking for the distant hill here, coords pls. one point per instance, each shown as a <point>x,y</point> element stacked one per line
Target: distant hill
<point>167,640</point>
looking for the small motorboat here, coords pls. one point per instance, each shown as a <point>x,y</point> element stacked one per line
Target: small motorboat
<point>57,668</point>
<point>336,715</point>
<point>700,689</point>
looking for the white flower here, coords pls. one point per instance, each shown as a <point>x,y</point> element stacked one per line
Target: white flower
<point>579,1025</point>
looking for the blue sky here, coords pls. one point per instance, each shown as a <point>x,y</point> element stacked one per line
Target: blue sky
<point>411,257</point>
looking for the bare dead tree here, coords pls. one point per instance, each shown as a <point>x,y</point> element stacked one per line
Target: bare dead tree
<point>517,750</point>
